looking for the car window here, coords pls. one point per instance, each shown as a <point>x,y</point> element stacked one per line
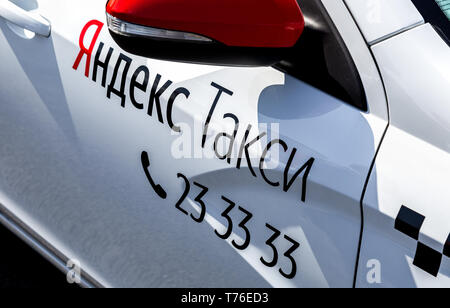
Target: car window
<point>445,7</point>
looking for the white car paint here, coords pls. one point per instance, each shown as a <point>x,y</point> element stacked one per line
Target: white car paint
<point>413,166</point>
<point>24,19</point>
<point>381,19</point>
<point>70,169</point>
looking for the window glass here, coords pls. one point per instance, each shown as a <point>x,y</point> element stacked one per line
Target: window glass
<point>445,7</point>
<point>437,13</point>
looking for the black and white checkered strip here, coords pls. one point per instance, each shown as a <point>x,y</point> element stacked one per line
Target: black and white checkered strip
<point>410,222</point>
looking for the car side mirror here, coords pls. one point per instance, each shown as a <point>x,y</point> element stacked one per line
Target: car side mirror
<point>217,32</point>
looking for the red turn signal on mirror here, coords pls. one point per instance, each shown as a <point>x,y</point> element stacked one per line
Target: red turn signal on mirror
<point>236,23</point>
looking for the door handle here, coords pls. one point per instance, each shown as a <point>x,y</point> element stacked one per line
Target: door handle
<point>27,20</point>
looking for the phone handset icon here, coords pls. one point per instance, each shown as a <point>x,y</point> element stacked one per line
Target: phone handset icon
<point>146,165</point>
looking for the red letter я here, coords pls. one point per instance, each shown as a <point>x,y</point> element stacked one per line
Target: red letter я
<point>83,49</point>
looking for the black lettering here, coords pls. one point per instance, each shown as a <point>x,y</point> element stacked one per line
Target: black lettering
<point>241,149</point>
<point>199,200</point>
<point>288,254</point>
<point>243,226</point>
<point>185,193</point>
<point>213,108</point>
<point>155,95</point>
<point>263,158</point>
<point>269,242</point>
<point>120,93</point>
<point>232,138</point>
<point>102,65</point>
<point>228,218</point>
<point>247,155</point>
<point>306,168</point>
<point>244,148</point>
<point>141,86</point>
<point>172,99</point>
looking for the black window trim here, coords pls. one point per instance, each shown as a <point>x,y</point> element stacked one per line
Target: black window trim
<point>433,14</point>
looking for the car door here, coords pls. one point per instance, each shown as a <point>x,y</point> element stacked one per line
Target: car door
<point>162,174</point>
<point>406,239</point>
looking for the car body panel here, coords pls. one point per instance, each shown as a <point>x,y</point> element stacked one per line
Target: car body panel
<point>413,166</point>
<point>72,170</point>
<point>381,19</point>
<point>75,183</point>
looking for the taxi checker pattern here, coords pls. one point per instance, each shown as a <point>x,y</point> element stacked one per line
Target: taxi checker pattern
<point>410,222</point>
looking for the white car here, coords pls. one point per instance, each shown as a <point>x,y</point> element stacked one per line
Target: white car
<point>229,144</point>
